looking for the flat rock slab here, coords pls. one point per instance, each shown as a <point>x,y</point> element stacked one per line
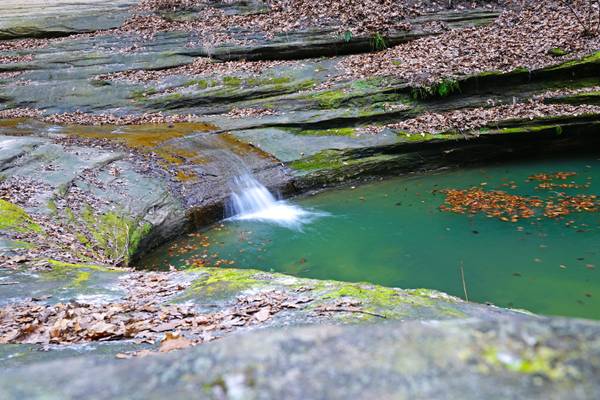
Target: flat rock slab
<point>468,359</point>
<point>211,290</point>
<point>102,179</point>
<point>44,18</point>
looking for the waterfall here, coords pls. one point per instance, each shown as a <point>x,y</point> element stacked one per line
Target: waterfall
<point>252,201</point>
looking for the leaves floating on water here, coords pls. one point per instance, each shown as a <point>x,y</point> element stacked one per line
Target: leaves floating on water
<point>511,208</point>
<point>555,176</point>
<point>546,181</point>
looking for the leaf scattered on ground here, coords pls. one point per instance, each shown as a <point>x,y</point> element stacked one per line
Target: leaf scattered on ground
<point>143,315</point>
<point>279,16</point>
<point>521,37</point>
<point>471,119</point>
<point>200,66</point>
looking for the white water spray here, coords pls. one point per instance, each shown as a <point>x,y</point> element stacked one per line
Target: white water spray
<point>251,201</point>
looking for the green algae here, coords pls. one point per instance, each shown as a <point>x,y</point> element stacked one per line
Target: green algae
<point>148,138</point>
<point>340,162</point>
<point>379,296</point>
<point>65,266</point>
<point>117,234</point>
<point>373,294</point>
<point>380,301</point>
<point>172,97</point>
<point>200,83</point>
<point>425,137</point>
<point>77,274</point>
<point>142,137</point>
<point>376,301</point>
<point>231,276</point>
<point>591,59</point>
<point>81,278</point>
<point>232,81</point>
<point>328,132</point>
<point>14,218</point>
<point>329,99</point>
<point>326,159</point>
<point>588,98</point>
<point>531,361</point>
<point>280,80</point>
<point>557,52</point>
<point>142,94</point>
<point>365,92</point>
<point>110,235</point>
<point>218,282</point>
<point>431,294</point>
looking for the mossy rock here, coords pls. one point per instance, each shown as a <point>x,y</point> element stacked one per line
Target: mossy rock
<point>347,131</point>
<point>219,283</point>
<point>14,218</point>
<point>557,52</point>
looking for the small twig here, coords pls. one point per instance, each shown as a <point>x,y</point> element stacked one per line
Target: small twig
<point>583,25</point>
<point>462,275</point>
<point>8,283</point>
<point>598,9</point>
<point>352,310</point>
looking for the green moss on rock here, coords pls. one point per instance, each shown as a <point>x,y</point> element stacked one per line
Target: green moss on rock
<point>326,159</point>
<point>374,294</point>
<point>117,234</point>
<point>142,94</point>
<point>232,81</point>
<point>380,301</point>
<point>330,99</point>
<point>533,360</point>
<point>328,132</point>
<point>76,274</point>
<point>281,80</point>
<point>217,282</point>
<point>60,265</point>
<point>425,137</point>
<point>14,218</point>
<point>557,52</point>
<point>200,83</point>
<point>591,59</point>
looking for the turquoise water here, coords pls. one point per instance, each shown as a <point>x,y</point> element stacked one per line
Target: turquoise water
<point>393,233</point>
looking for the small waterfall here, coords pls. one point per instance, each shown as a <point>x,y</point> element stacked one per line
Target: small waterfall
<point>250,200</point>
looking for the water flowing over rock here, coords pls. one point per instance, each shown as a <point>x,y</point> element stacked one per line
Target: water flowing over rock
<point>251,201</point>
<point>124,124</point>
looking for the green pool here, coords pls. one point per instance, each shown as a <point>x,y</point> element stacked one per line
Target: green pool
<point>394,233</point>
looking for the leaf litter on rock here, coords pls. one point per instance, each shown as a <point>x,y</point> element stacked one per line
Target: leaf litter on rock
<point>141,316</point>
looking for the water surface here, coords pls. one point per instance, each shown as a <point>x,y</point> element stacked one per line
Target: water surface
<point>393,233</point>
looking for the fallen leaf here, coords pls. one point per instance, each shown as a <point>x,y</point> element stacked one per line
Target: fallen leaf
<point>174,341</point>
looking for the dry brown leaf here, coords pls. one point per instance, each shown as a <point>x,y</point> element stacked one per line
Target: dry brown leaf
<point>174,341</point>
<point>263,315</point>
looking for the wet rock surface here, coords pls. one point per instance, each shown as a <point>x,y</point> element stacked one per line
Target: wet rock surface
<point>87,185</point>
<point>70,308</point>
<point>43,18</point>
<point>500,358</point>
